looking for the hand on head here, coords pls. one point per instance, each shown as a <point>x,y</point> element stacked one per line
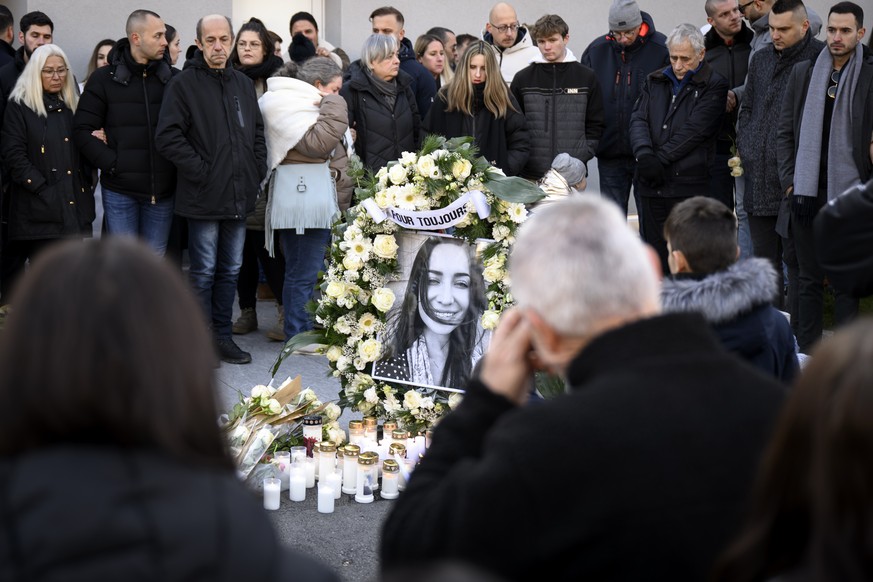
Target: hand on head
<point>508,367</point>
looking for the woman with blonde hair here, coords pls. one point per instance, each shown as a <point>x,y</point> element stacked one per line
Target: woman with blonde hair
<point>478,103</point>
<point>431,53</point>
<point>50,191</point>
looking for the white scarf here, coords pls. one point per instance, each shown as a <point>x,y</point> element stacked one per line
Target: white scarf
<point>289,108</point>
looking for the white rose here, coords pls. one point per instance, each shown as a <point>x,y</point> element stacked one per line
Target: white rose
<point>382,299</point>
<point>337,435</point>
<point>425,165</point>
<point>492,274</point>
<point>737,172</point>
<point>371,396</point>
<point>259,391</point>
<point>333,353</point>
<point>455,399</point>
<point>384,198</point>
<point>397,174</point>
<point>352,262</point>
<point>385,246</point>
<point>370,350</point>
<point>734,162</point>
<point>461,169</point>
<point>308,395</point>
<point>489,319</point>
<point>412,399</point>
<point>332,412</point>
<point>274,406</point>
<point>335,289</point>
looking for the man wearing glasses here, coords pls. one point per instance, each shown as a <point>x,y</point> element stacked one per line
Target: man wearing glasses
<point>792,43</point>
<point>824,149</point>
<point>621,60</point>
<point>515,49</point>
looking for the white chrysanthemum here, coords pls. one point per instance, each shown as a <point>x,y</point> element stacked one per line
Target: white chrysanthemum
<point>517,212</point>
<point>368,324</point>
<point>358,248</point>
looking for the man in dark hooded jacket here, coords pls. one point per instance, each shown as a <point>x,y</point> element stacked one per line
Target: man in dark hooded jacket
<point>621,60</point>
<point>124,99</point>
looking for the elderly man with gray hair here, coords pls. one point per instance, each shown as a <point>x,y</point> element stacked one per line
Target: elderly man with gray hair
<point>673,131</point>
<point>649,454</point>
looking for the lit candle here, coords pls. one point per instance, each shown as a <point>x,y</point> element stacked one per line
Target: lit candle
<point>297,484</point>
<point>272,488</point>
<point>298,454</point>
<point>364,488</point>
<point>387,428</point>
<point>350,468</point>
<point>428,438</point>
<point>399,436</point>
<point>390,475</point>
<point>335,482</point>
<point>309,466</point>
<point>371,427</point>
<point>340,458</point>
<point>283,464</point>
<point>326,459</point>
<point>420,447</point>
<point>356,432</point>
<point>325,498</point>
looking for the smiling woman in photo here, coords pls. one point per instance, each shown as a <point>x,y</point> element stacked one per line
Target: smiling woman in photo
<point>436,337</point>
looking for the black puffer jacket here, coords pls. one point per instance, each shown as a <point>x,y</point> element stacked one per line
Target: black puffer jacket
<point>563,107</point>
<point>621,72</point>
<point>211,128</point>
<point>9,74</point>
<point>680,132</point>
<point>125,99</point>
<point>137,516</point>
<point>50,192</point>
<point>382,134</point>
<point>503,141</point>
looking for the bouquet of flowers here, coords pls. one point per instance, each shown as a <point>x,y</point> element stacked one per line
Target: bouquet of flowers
<point>356,298</point>
<point>270,419</point>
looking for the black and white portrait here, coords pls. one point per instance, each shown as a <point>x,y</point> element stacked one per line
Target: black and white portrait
<point>434,335</point>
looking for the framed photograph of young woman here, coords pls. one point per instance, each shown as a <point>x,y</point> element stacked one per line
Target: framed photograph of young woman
<point>434,336</point>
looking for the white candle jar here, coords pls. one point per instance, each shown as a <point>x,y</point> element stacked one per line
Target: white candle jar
<point>272,489</point>
<point>390,478</point>
<point>350,468</point>
<point>366,477</point>
<point>326,459</point>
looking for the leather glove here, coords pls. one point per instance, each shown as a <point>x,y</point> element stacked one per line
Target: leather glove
<point>651,171</point>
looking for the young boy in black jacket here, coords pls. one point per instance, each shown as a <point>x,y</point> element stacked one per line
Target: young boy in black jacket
<point>734,297</point>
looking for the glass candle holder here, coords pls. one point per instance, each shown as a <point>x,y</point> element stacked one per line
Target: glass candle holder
<point>298,454</point>
<point>371,428</point>
<point>297,483</point>
<point>312,424</point>
<point>397,449</point>
<point>326,459</point>
<point>282,460</point>
<point>356,432</point>
<point>325,498</point>
<point>272,490</point>
<point>399,436</point>
<point>350,468</point>
<point>365,478</point>
<point>390,477</point>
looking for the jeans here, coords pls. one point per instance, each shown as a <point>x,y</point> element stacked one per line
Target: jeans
<point>126,215</point>
<point>811,292</point>
<point>254,253</point>
<point>304,258</point>
<point>215,248</point>
<point>616,179</point>
<point>744,235</point>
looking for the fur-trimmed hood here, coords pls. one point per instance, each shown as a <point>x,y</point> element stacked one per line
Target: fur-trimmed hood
<point>724,295</point>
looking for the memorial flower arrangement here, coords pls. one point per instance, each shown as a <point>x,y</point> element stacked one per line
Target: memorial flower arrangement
<point>270,419</point>
<point>355,301</point>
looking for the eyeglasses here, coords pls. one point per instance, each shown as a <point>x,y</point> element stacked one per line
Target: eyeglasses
<point>60,72</point>
<point>253,45</point>
<point>624,33</point>
<point>835,78</point>
<point>743,7</point>
<point>506,28</point>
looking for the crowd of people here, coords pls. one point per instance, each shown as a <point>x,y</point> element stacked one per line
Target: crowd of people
<point>747,148</point>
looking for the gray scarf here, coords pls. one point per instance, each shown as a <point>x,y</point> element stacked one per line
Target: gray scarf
<point>388,89</point>
<point>842,172</point>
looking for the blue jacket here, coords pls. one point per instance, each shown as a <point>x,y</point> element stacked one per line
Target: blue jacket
<point>423,83</point>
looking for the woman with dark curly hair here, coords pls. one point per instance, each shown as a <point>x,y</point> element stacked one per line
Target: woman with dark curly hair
<point>436,334</point>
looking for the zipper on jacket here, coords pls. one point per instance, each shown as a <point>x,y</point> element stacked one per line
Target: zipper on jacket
<point>145,93</point>
<point>238,111</point>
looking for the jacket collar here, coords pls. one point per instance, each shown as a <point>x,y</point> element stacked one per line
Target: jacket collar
<point>701,77</point>
<point>124,67</point>
<point>724,295</point>
<point>712,39</point>
<point>674,335</point>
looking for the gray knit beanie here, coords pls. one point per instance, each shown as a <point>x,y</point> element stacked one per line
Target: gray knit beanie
<point>572,169</point>
<point>624,15</point>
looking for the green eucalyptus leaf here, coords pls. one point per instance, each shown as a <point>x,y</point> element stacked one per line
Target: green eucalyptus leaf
<point>514,189</point>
